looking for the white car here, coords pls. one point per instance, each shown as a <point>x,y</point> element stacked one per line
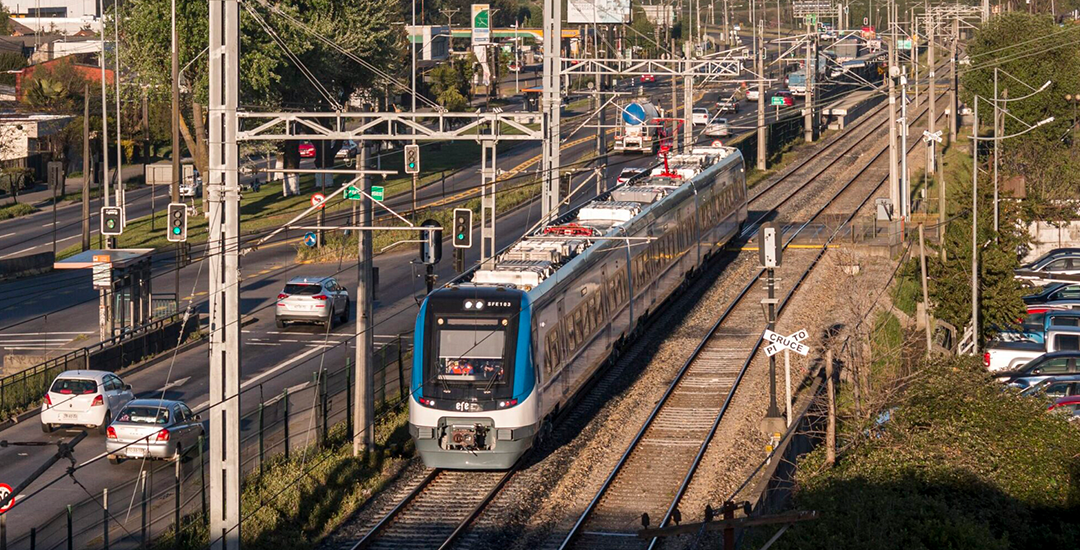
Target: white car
<point>752,94</point>
<point>718,128</point>
<point>628,173</point>
<point>190,187</point>
<point>84,398</point>
<point>700,116</point>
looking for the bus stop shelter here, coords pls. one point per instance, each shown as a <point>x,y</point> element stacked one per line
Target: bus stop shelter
<point>123,280</point>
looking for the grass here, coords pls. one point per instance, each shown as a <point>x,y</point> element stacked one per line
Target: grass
<point>16,210</point>
<point>886,343</point>
<point>906,294</point>
<point>295,503</point>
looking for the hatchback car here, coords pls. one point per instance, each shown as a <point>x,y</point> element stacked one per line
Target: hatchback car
<point>700,116</point>
<point>752,94</point>
<point>727,106</point>
<point>318,300</point>
<point>1067,405</point>
<point>1055,386</point>
<point>84,398</point>
<point>153,428</point>
<point>1063,261</point>
<point>191,187</point>
<point>647,78</point>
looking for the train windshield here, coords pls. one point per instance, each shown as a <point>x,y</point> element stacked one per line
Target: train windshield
<point>471,351</point>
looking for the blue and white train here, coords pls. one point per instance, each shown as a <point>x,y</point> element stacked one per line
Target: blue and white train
<point>497,357</point>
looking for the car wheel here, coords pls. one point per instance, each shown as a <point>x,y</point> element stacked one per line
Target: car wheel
<point>113,459</point>
<point>47,428</point>
<point>104,427</point>
<point>344,318</point>
<point>280,323</point>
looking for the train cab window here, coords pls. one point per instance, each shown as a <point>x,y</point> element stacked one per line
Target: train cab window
<point>471,358</point>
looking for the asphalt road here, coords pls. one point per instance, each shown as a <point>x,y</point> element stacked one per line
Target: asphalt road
<point>273,359</point>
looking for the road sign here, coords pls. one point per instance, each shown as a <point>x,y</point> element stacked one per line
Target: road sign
<point>810,19</point>
<point>5,490</point>
<point>928,137</point>
<point>378,192</point>
<point>311,239</point>
<point>102,271</point>
<point>353,193</point>
<point>780,342</point>
<point>903,44</point>
<point>770,245</point>
<point>317,199</point>
<point>776,100</point>
<point>481,24</point>
<point>716,143</point>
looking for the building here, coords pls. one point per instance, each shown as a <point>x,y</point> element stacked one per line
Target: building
<point>433,41</point>
<point>83,64</point>
<point>52,8</point>
<point>24,140</point>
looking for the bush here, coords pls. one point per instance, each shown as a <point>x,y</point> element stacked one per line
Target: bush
<point>960,464</point>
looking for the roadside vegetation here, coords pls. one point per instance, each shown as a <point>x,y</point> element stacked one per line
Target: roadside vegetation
<point>951,461</point>
<point>16,210</point>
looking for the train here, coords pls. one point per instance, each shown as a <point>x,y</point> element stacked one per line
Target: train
<point>638,131</point>
<point>500,352</point>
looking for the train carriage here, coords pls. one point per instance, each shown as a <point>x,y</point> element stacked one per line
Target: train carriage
<point>496,357</point>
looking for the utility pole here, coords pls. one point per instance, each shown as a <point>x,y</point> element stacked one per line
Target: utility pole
<point>925,293</point>
<point>364,374</point>
<point>224,266</point>
<point>674,96</point>
<point>121,196</point>
<point>86,169</point>
<point>894,70</point>
<point>450,26</point>
<point>997,141</point>
<point>954,105</point>
<point>104,119</point>
<point>550,161</point>
<point>905,180</point>
<point>931,146</point>
<point>809,73</point>
<point>761,131</point>
<point>974,231</point>
<point>174,183</point>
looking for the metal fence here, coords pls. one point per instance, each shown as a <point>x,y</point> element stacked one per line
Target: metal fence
<point>23,389</point>
<point>166,494</point>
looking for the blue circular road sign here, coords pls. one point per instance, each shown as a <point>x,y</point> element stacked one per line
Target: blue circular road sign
<point>310,239</point>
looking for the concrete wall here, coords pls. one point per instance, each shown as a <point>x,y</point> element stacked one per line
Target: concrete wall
<point>1046,237</point>
<point>31,264</point>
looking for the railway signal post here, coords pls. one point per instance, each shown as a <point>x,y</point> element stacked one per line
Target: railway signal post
<point>770,249</point>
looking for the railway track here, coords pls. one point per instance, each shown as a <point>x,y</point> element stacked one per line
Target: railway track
<point>438,511</point>
<point>656,469</point>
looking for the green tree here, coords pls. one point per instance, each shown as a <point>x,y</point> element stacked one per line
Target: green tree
<point>56,89</point>
<point>450,83</point>
<point>1026,50</point>
<point>268,79</point>
<point>10,61</point>
<point>5,22</point>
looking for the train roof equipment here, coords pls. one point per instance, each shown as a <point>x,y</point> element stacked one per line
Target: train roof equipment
<point>536,257</point>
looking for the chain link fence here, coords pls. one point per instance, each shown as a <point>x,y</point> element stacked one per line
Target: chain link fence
<point>169,493</point>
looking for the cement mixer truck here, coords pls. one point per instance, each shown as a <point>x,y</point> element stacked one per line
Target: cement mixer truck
<point>637,130</point>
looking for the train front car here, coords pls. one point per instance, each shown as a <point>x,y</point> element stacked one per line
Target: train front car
<point>472,404</point>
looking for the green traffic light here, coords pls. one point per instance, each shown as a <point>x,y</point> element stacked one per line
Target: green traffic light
<point>461,236</point>
<point>176,231</point>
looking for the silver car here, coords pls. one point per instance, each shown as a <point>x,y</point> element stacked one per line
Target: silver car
<point>318,300</point>
<point>718,128</point>
<point>153,428</point>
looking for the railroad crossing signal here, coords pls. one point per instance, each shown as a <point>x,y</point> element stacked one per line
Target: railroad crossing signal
<point>112,222</point>
<point>412,159</point>
<point>431,243</point>
<point>463,228</point>
<point>928,137</point>
<point>177,222</point>
<point>781,342</point>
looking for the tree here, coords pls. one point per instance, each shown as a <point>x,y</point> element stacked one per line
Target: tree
<point>268,79</point>
<point>1029,48</point>
<point>5,21</point>
<point>450,83</point>
<point>55,88</point>
<point>10,61</point>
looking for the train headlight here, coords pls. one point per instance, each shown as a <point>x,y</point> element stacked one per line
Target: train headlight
<point>479,304</point>
<point>468,305</point>
<point>427,402</point>
<point>507,403</point>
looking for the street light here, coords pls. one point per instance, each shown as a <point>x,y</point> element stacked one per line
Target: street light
<point>975,139</point>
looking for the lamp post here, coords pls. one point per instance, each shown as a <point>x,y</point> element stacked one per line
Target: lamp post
<point>975,139</point>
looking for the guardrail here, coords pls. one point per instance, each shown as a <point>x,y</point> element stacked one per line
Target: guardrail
<point>24,388</point>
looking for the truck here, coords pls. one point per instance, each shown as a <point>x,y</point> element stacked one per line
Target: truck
<point>1035,326</point>
<point>638,130</point>
<point>1002,356</point>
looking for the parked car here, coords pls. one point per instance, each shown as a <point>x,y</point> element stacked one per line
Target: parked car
<point>307,150</point>
<point>700,116</point>
<point>348,152</point>
<point>1053,292</point>
<point>1056,305</point>
<point>647,78</point>
<point>718,128</point>
<point>318,300</point>
<point>628,173</point>
<point>1069,405</point>
<point>1008,356</point>
<point>1063,261</point>
<point>1055,386</point>
<point>1036,325</point>
<point>153,428</point>
<point>83,398</point>
<point>1050,365</point>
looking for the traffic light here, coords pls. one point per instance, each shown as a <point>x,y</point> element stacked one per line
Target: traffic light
<point>463,228</point>
<point>431,243</point>
<point>412,159</point>
<point>112,222</point>
<point>177,222</point>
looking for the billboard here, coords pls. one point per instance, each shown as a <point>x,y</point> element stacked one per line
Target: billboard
<point>598,11</point>
<point>815,7</point>
<point>481,24</point>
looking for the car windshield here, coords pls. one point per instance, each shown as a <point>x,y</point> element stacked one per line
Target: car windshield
<point>140,414</point>
<point>74,386</point>
<point>302,289</point>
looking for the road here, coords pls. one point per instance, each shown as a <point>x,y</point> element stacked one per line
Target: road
<point>273,359</point>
